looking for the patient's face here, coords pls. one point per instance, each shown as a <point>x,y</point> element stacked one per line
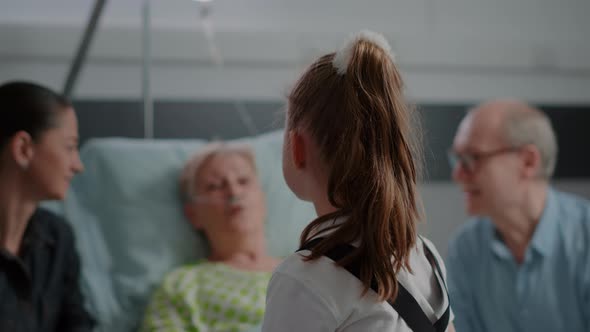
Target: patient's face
<point>229,196</point>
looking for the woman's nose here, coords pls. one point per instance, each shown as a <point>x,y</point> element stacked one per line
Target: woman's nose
<point>233,188</point>
<point>78,166</point>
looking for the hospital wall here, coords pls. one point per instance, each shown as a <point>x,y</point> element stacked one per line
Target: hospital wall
<point>442,199</point>
<point>456,53</point>
<point>449,50</point>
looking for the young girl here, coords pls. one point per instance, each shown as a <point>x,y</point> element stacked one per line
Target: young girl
<point>349,150</point>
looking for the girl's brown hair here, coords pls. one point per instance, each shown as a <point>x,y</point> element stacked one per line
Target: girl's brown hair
<point>367,138</point>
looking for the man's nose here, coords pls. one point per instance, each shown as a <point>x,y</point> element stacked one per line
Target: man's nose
<point>459,171</point>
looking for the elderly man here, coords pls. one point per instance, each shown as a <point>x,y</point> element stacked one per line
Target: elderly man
<point>523,262</point>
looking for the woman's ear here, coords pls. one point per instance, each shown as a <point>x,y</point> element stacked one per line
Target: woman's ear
<point>22,149</point>
<point>191,215</point>
<point>297,149</point>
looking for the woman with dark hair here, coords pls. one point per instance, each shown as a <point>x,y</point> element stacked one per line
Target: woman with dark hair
<point>39,265</point>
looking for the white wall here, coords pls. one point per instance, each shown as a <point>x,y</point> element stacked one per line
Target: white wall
<point>449,50</point>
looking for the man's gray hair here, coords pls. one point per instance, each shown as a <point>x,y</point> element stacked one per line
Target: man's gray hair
<point>533,127</point>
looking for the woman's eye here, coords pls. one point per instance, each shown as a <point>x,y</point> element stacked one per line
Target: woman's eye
<point>213,186</point>
<point>244,180</point>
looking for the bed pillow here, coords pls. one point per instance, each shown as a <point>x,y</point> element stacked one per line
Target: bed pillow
<point>130,231</point>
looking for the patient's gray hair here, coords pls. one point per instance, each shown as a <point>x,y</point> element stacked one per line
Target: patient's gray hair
<point>532,126</point>
<point>188,176</point>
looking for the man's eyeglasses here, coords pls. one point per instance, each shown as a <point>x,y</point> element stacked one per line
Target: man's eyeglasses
<point>470,160</point>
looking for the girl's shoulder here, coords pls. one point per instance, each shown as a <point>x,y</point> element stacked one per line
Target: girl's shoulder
<point>318,281</point>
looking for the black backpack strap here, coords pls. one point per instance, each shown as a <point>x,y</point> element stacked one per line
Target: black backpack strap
<point>443,321</point>
<point>405,304</point>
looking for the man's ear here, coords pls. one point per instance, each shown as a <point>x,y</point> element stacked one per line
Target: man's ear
<point>191,215</point>
<point>22,148</point>
<point>298,149</point>
<point>533,165</point>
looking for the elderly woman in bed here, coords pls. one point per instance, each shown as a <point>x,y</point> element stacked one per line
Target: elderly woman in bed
<point>226,292</point>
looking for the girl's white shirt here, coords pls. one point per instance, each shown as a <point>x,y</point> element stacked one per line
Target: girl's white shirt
<point>320,296</point>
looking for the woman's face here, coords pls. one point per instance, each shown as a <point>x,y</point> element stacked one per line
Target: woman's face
<point>55,159</point>
<point>229,196</point>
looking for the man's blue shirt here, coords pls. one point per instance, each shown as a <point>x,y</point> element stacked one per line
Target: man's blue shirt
<point>549,291</point>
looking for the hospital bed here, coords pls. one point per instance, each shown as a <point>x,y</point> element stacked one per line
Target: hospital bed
<point>130,231</point>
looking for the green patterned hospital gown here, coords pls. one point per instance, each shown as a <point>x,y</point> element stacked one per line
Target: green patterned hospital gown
<point>208,297</point>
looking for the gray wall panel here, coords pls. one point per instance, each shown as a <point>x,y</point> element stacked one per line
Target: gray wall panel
<point>221,120</point>
<point>214,120</point>
<point>109,118</point>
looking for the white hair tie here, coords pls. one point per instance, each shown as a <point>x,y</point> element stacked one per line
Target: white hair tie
<point>344,55</point>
